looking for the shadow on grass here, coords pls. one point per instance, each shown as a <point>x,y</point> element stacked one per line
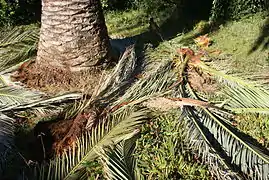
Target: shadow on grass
<point>183,19</point>
<point>263,38</point>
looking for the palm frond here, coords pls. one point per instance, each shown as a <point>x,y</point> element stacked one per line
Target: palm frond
<point>236,148</point>
<point>242,96</point>
<point>248,100</point>
<point>35,103</point>
<point>7,129</point>
<point>11,97</point>
<point>119,126</point>
<point>200,141</point>
<point>123,72</point>
<point>18,45</point>
<point>222,77</point>
<point>158,83</point>
<point>118,161</point>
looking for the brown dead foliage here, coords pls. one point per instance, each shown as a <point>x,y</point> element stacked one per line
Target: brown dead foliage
<point>201,82</point>
<point>53,80</point>
<point>65,132</point>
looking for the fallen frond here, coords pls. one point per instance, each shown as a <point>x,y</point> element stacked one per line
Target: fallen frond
<point>7,129</point>
<point>199,141</point>
<point>160,82</point>
<point>119,162</point>
<point>18,45</point>
<point>122,74</point>
<point>234,147</point>
<point>242,96</point>
<point>118,126</point>
<point>11,97</point>
<point>22,100</point>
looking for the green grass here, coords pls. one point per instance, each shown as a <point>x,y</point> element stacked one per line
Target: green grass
<point>126,23</point>
<point>235,39</point>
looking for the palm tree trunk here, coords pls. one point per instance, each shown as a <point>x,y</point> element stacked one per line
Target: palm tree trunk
<point>73,34</point>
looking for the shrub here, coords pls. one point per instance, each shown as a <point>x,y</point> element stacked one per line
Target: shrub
<point>234,9</point>
<point>162,153</point>
<point>14,12</point>
<point>153,7</point>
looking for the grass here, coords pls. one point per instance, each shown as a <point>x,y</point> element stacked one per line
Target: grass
<point>235,39</point>
<point>122,24</point>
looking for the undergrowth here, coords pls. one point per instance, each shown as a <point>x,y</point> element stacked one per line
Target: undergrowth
<point>162,154</point>
<point>256,126</point>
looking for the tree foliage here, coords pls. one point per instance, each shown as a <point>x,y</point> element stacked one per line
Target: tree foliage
<point>19,12</point>
<point>235,9</point>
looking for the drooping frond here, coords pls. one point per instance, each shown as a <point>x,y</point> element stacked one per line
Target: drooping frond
<point>122,77</point>
<point>6,140</point>
<point>35,103</point>
<point>248,100</point>
<point>158,83</point>
<point>122,73</point>
<point>11,97</point>
<point>236,148</point>
<point>119,162</point>
<point>18,45</point>
<point>199,140</point>
<point>119,126</point>
<point>242,96</point>
<point>222,77</point>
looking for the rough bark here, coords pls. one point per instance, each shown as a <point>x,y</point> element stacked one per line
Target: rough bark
<point>73,34</point>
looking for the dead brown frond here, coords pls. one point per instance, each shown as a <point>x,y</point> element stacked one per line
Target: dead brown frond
<point>201,81</point>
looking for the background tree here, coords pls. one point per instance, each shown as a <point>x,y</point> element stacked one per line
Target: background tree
<point>73,34</point>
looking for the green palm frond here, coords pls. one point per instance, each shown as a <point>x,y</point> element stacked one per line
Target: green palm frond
<point>242,96</point>
<point>11,97</point>
<point>23,100</point>
<point>158,83</point>
<point>3,81</point>
<point>17,46</point>
<point>222,77</point>
<point>248,100</point>
<point>234,146</point>
<point>119,126</point>
<point>200,141</point>
<point>119,162</point>
<point>7,129</point>
<point>48,109</point>
<point>122,74</point>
